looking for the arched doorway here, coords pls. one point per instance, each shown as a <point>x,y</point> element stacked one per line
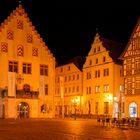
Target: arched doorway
<point>23,110</point>
<point>133,109</point>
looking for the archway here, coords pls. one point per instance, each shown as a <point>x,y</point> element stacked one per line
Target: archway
<point>133,109</point>
<point>23,110</point>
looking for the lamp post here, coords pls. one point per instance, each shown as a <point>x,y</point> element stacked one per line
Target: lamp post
<point>75,102</point>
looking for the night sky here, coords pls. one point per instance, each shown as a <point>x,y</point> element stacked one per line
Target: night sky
<point>68,27</point>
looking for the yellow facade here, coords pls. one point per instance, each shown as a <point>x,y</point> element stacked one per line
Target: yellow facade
<point>27,70</point>
<point>131,66</point>
<point>68,79</point>
<point>101,80</point>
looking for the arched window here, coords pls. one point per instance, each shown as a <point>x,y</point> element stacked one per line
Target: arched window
<point>133,109</point>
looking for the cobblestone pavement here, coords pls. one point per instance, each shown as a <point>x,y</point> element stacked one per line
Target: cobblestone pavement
<point>67,129</point>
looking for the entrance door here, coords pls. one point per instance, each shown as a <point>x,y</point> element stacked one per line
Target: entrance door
<point>133,109</point>
<point>23,110</point>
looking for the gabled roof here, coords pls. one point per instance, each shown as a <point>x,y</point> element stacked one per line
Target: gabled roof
<point>131,36</point>
<point>78,61</point>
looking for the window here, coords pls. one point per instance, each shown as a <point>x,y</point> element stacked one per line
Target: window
<point>73,77</point>
<point>106,72</point>
<point>98,49</point>
<point>97,89</point>
<point>61,69</point>
<point>46,89</point>
<point>4,47</point>
<point>65,90</point>
<point>88,90</point>
<point>77,76</point>
<point>106,88</point>
<point>96,60</point>
<point>29,38</point>
<point>34,51</point>
<point>44,70</point>
<point>13,66</point>
<point>65,78</point>
<point>104,59</point>
<point>121,88</point>
<point>137,65</point>
<point>68,67</point>
<point>20,50</point>
<point>106,107</point>
<point>97,73</point>
<point>19,24</point>
<point>10,34</point>
<point>69,78</point>
<point>90,62</point>
<point>94,50</point>
<point>73,89</point>
<point>128,67</point>
<point>88,75</point>
<point>77,89</point>
<point>26,68</point>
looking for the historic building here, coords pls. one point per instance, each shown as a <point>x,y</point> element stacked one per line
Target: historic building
<point>103,79</point>
<point>131,67</point>
<point>27,70</point>
<point>68,94</point>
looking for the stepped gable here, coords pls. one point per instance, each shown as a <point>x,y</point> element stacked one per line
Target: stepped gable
<point>115,49</point>
<point>134,34</point>
<point>19,11</point>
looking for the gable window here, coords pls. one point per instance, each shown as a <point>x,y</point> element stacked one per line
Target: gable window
<point>90,62</point>
<point>20,50</point>
<point>29,38</point>
<point>104,59</point>
<point>10,34</point>
<point>13,66</point>
<point>88,75</point>
<point>4,47</point>
<point>19,24</point>
<point>34,51</point>
<point>94,50</point>
<point>44,70</point>
<point>26,68</point>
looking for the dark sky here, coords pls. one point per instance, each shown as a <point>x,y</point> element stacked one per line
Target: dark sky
<point>68,27</point>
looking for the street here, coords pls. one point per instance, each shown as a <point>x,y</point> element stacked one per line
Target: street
<point>59,129</point>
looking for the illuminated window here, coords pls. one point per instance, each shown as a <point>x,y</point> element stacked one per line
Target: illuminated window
<point>97,89</point>
<point>26,68</point>
<point>106,88</point>
<point>44,70</point>
<point>13,66</point>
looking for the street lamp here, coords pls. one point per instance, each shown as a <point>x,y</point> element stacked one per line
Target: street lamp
<point>75,102</point>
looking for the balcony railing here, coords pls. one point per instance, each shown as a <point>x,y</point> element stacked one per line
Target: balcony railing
<point>27,94</point>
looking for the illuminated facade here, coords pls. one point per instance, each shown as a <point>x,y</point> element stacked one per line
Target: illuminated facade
<point>131,66</point>
<point>68,79</point>
<point>27,70</point>
<point>102,78</point>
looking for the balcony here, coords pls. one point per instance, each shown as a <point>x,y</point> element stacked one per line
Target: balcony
<point>27,94</point>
